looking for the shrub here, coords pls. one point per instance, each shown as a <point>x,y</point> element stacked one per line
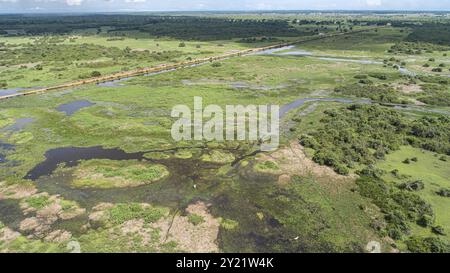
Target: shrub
<point>361,76</point>
<point>365,81</point>
<point>444,192</point>
<point>95,74</point>
<point>427,245</point>
<point>413,186</point>
<point>438,230</point>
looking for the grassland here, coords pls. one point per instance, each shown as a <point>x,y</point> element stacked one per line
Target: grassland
<point>431,170</point>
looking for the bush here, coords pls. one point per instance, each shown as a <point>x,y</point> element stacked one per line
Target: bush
<point>444,192</point>
<point>361,77</point>
<point>365,81</point>
<point>438,230</point>
<point>182,44</point>
<point>427,245</point>
<point>95,74</point>
<point>413,186</point>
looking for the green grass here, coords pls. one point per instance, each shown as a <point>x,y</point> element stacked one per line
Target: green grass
<point>267,167</point>
<point>432,171</point>
<point>109,174</point>
<point>38,202</point>
<point>122,213</point>
<point>196,219</point>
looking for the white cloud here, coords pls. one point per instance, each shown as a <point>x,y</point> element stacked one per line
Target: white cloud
<point>11,1</point>
<point>135,1</point>
<point>373,3</point>
<point>74,2</point>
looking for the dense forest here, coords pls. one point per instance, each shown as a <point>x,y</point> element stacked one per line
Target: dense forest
<point>182,27</point>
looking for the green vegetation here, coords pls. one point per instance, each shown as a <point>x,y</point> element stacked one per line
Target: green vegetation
<point>427,245</point>
<point>38,202</point>
<point>268,167</point>
<point>122,213</point>
<point>110,174</point>
<point>218,157</point>
<point>361,134</point>
<point>375,93</point>
<point>429,171</point>
<point>196,219</point>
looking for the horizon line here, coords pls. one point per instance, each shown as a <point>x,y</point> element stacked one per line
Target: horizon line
<point>222,11</point>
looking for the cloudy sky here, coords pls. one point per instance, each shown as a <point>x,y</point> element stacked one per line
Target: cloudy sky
<point>190,5</point>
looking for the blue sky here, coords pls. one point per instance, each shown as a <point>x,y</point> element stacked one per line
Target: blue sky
<point>189,5</point>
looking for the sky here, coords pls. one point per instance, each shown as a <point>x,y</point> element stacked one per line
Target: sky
<point>8,6</point>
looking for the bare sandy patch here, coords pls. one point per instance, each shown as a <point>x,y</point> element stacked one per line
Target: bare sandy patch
<point>409,88</point>
<point>41,218</point>
<point>16,191</point>
<point>292,160</point>
<point>58,236</point>
<point>8,235</point>
<point>189,237</point>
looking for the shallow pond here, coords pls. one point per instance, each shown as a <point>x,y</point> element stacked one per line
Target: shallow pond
<point>19,125</point>
<point>291,106</point>
<point>4,147</point>
<point>171,192</point>
<point>72,107</point>
<point>11,91</point>
<point>113,83</point>
<point>349,60</point>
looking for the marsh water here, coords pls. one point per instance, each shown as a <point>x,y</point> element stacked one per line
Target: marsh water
<point>12,91</point>
<point>72,107</point>
<point>19,124</point>
<point>4,147</point>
